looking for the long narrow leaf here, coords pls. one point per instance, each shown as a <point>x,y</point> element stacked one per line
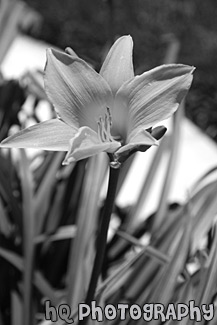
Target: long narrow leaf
<point>165,288</point>
<point>5,225</point>
<point>175,140</point>
<point>41,284</point>
<point>207,287</point>
<point>28,233</point>
<point>65,232</point>
<point>205,210</point>
<point>42,198</point>
<point>82,251</point>
<point>16,309</point>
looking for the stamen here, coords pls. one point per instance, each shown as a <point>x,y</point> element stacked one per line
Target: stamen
<point>101,130</point>
<point>108,123</point>
<point>104,131</point>
<point>104,126</point>
<point>109,115</point>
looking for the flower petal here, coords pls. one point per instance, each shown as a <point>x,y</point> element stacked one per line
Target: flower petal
<point>155,95</point>
<point>79,94</point>
<point>118,65</point>
<point>136,142</point>
<point>49,135</point>
<point>86,144</point>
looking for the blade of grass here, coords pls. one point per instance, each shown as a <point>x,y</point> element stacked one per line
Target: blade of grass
<point>6,192</point>
<point>82,249</point>
<point>205,215</point>
<point>142,276</point>
<point>214,320</point>
<point>207,286</point>
<point>107,285</point>
<point>199,197</point>
<point>101,239</point>
<point>40,282</point>
<point>16,309</point>
<point>15,16</point>
<point>12,12</point>
<point>135,211</point>
<point>173,48</point>
<point>150,251</point>
<point>203,178</point>
<point>28,235</point>
<point>12,258</point>
<point>185,297</point>
<point>53,219</point>
<point>165,288</point>
<point>124,171</point>
<point>32,82</point>
<point>117,281</point>
<point>54,266</point>
<point>175,138</point>
<point>64,232</point>
<point>5,225</point>
<point>42,168</point>
<point>43,194</point>
<point>120,276</point>
<point>171,56</point>
<point>165,242</point>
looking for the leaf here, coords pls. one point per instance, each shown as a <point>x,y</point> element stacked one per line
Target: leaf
<point>28,235</point>
<point>12,258</point>
<point>184,298</point>
<point>207,286</point>
<point>16,309</point>
<point>141,278</point>
<point>39,281</point>
<point>150,250</point>
<point>135,211</point>
<point>7,193</point>
<point>164,289</point>
<point>82,249</point>
<point>168,281</point>
<point>62,233</point>
<point>202,179</point>
<point>168,179</point>
<point>5,225</point>
<point>43,194</point>
<point>204,209</point>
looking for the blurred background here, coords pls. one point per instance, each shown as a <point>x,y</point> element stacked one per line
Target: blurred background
<point>90,27</point>
<point>49,213</point>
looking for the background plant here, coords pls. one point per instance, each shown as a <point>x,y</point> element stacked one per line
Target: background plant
<point>49,217</point>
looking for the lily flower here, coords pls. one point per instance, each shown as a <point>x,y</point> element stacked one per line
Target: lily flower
<point>107,111</point>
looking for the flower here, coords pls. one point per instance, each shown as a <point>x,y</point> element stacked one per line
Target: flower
<point>106,111</point>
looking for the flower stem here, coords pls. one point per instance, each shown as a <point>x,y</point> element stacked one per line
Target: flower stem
<point>102,237</point>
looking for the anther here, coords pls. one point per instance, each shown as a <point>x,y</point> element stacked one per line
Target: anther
<point>109,115</point>
<point>104,126</point>
<point>100,130</point>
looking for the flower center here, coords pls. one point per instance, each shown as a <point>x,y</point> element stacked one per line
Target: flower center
<point>104,127</point>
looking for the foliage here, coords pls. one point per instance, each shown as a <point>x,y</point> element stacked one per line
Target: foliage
<point>50,216</point>
<point>49,220</point>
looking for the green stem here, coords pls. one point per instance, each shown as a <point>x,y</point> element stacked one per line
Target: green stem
<point>102,237</point>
